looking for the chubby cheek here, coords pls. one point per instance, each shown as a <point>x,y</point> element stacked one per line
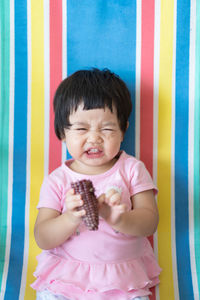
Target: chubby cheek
<point>74,147</point>
<point>113,147</point>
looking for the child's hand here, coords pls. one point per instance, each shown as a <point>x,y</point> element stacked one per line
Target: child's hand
<point>72,203</point>
<point>110,207</point>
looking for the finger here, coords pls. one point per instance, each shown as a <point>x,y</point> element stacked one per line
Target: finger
<point>70,195</point>
<point>70,198</point>
<point>114,188</point>
<point>121,208</point>
<point>110,192</point>
<point>115,199</point>
<point>101,199</point>
<point>74,204</point>
<point>79,213</point>
<point>70,192</point>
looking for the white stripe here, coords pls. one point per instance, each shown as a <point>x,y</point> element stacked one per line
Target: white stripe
<point>191,146</point>
<point>173,232</point>
<point>138,80</point>
<point>27,205</point>
<point>11,141</point>
<point>64,56</point>
<point>46,86</point>
<point>64,38</point>
<point>156,86</point>
<point>64,152</point>
<point>157,14</point>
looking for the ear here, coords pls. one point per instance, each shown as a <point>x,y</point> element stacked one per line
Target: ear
<point>127,125</point>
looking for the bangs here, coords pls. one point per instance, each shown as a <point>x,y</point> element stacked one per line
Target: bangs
<point>94,89</point>
<point>91,102</point>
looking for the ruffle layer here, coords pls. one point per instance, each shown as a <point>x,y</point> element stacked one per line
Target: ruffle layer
<point>77,279</point>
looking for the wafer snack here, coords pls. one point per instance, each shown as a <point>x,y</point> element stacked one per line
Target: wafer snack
<point>86,190</point>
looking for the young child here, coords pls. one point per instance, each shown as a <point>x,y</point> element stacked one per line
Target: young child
<point>116,261</point>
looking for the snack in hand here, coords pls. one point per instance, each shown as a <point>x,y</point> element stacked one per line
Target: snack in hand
<point>90,204</point>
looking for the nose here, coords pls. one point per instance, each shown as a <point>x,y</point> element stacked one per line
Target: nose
<point>94,137</point>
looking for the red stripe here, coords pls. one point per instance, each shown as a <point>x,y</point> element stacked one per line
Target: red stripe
<point>55,8</point>
<point>147,71</point>
<point>147,84</point>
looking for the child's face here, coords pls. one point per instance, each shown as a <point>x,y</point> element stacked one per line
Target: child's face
<point>93,139</point>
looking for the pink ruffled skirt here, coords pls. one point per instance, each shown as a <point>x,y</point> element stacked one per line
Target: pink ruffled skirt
<point>100,281</point>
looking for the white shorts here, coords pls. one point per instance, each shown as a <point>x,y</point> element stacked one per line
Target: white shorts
<point>46,295</point>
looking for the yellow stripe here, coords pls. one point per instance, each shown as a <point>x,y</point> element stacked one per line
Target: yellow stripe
<point>164,149</point>
<point>37,131</point>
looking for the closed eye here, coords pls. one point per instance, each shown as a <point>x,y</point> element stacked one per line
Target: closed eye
<point>108,129</point>
<point>81,129</point>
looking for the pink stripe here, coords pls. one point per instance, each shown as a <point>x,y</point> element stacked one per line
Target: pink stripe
<point>146,92</point>
<point>147,71</point>
<point>55,8</point>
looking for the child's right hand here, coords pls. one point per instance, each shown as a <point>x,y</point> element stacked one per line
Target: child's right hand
<point>72,203</point>
<point>53,228</point>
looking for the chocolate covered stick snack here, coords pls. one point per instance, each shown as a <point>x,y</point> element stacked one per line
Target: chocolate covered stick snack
<point>86,190</point>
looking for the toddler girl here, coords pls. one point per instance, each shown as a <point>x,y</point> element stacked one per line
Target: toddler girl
<point>116,261</point>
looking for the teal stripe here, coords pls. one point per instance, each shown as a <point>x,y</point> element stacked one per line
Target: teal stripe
<point>4,124</point>
<point>181,151</point>
<point>197,147</point>
<point>19,153</point>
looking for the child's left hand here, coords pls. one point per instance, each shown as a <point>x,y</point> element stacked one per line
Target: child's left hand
<point>110,207</point>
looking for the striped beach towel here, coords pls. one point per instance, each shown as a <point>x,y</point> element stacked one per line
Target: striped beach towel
<point>154,45</point>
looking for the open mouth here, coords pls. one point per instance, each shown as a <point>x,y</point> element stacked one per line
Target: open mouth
<point>94,152</point>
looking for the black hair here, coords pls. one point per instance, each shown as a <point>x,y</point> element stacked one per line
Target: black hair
<point>95,89</point>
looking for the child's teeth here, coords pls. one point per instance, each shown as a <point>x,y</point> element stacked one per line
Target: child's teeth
<point>94,150</point>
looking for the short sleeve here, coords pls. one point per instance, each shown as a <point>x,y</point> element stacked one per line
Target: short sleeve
<point>50,195</point>
<point>141,179</point>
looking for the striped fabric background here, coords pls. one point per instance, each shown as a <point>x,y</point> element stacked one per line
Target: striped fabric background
<point>154,45</point>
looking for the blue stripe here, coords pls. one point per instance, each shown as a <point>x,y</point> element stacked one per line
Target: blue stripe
<point>102,34</point>
<point>19,159</point>
<point>181,150</point>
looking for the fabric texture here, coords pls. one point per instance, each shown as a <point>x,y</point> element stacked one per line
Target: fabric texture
<point>98,263</point>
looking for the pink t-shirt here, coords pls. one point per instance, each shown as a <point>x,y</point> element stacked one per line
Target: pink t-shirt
<point>98,263</point>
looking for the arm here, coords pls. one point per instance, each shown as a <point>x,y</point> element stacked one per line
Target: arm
<point>52,228</point>
<point>142,220</point>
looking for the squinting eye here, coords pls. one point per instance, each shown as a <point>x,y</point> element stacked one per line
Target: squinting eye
<point>81,129</point>
<point>107,129</point>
